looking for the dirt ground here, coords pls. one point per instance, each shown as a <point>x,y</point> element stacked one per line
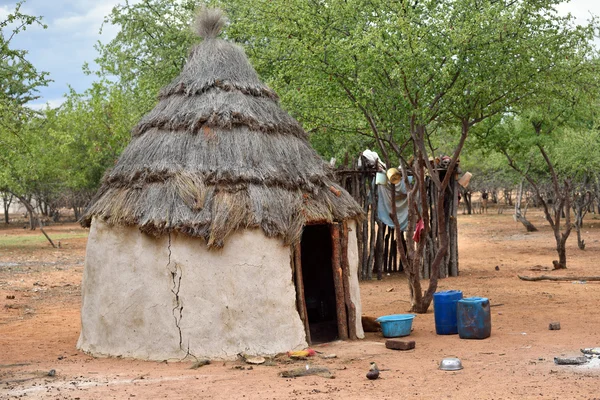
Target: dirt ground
<point>39,328</point>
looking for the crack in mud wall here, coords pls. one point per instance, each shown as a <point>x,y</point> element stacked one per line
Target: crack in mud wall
<point>176,275</point>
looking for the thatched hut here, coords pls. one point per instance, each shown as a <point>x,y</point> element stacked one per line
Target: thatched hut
<point>219,230</point>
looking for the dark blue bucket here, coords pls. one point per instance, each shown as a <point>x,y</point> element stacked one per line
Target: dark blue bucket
<point>444,310</point>
<point>396,325</point>
<point>474,318</point>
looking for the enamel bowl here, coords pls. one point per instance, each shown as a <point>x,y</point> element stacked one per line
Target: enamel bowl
<point>451,364</point>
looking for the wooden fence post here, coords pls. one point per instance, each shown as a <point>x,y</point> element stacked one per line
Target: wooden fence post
<point>300,299</point>
<point>336,266</point>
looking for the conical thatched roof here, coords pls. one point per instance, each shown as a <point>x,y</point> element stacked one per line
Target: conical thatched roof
<point>218,154</point>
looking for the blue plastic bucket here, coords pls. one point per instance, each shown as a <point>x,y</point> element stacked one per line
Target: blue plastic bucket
<point>396,325</point>
<point>474,318</point>
<point>444,310</point>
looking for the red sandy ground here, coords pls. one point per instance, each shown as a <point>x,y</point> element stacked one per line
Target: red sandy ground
<point>40,326</point>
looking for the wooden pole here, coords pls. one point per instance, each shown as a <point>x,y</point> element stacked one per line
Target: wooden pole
<point>386,249</point>
<point>365,226</point>
<point>356,185</point>
<point>434,222</point>
<point>45,234</point>
<point>453,233</point>
<point>448,201</point>
<point>372,234</point>
<point>392,251</point>
<point>401,241</point>
<point>379,250</point>
<point>346,281</point>
<point>360,244</point>
<point>300,299</point>
<point>397,267</point>
<point>357,194</point>
<point>340,302</point>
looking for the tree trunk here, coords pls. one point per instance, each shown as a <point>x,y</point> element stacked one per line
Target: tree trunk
<point>7,200</point>
<point>453,232</point>
<point>467,199</point>
<point>579,214</point>
<point>561,205</point>
<point>518,216</point>
<point>76,212</point>
<point>581,202</point>
<point>528,225</point>
<point>34,218</point>
<point>422,301</point>
<point>31,212</point>
<point>562,258</point>
<point>580,241</point>
<point>407,256</point>
<point>563,208</point>
<point>508,197</point>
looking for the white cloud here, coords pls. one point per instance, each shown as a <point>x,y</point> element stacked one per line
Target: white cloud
<point>87,24</point>
<point>73,29</point>
<point>85,18</point>
<point>582,10</point>
<point>4,11</point>
<point>51,103</point>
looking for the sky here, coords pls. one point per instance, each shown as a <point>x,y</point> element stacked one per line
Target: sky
<point>74,28</point>
<point>68,42</point>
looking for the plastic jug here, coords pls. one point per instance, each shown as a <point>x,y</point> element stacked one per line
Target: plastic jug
<point>474,318</point>
<point>444,309</point>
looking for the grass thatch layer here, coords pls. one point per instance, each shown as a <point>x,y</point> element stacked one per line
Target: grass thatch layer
<point>212,183</point>
<point>221,156</point>
<point>217,154</point>
<point>219,108</point>
<point>216,63</point>
<point>213,212</point>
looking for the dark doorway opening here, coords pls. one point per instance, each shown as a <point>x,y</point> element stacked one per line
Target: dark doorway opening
<point>319,288</point>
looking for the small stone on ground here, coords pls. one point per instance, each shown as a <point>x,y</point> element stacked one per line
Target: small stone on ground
<point>570,360</point>
<point>397,344</point>
<point>554,326</point>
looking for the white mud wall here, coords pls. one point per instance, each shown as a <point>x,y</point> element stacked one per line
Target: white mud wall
<point>162,299</point>
<point>354,286</point>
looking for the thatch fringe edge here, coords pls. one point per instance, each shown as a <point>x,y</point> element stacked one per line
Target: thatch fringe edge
<point>194,89</point>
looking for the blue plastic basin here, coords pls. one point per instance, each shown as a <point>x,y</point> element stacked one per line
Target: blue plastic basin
<point>396,325</point>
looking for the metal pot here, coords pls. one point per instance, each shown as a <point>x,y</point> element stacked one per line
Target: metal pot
<point>394,176</point>
<point>451,364</point>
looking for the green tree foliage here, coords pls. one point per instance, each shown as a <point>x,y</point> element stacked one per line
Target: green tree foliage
<point>19,80</point>
<point>414,78</point>
<point>150,48</point>
<point>18,77</point>
<point>87,135</point>
<point>58,156</point>
<point>400,71</point>
<point>541,136</point>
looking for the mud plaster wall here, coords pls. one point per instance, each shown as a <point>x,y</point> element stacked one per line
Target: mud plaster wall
<point>163,298</point>
<point>354,286</point>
